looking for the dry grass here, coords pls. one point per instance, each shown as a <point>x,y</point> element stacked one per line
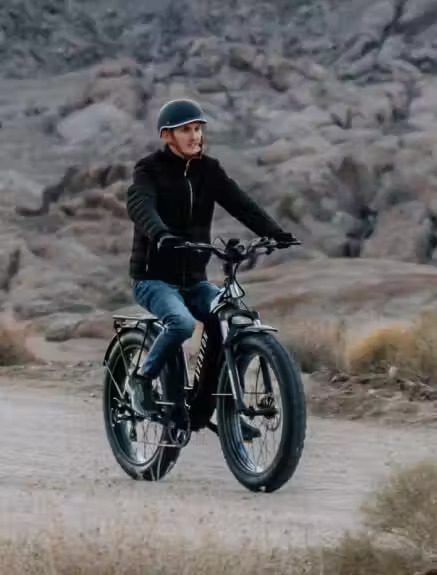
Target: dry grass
<point>388,371</point>
<point>404,508</point>
<point>401,530</point>
<point>127,549</point>
<point>13,349</point>
<point>316,345</point>
<point>378,350</point>
<point>408,351</point>
<point>360,555</point>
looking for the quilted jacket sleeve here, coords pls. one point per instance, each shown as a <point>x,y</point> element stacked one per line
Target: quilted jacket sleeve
<point>241,206</point>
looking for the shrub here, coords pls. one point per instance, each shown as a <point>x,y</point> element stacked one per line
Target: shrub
<point>13,349</point>
<point>401,530</point>
<point>379,349</point>
<point>410,348</point>
<point>360,555</point>
<point>316,345</point>
<point>406,506</point>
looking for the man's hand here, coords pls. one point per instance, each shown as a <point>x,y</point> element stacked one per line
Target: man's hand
<point>168,241</point>
<point>285,239</point>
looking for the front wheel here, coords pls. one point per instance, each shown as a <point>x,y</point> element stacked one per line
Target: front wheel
<point>271,381</point>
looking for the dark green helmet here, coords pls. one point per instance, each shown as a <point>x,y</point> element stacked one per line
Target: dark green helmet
<point>179,112</point>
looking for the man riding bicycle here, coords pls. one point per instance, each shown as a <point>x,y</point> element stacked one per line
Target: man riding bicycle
<point>171,200</point>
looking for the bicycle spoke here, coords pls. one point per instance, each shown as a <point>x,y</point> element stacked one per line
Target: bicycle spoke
<point>134,439</point>
<point>261,390</point>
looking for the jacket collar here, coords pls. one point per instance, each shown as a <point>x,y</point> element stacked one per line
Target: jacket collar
<point>177,160</point>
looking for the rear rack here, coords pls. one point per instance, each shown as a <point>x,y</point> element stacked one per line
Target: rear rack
<point>143,317</point>
<point>121,320</point>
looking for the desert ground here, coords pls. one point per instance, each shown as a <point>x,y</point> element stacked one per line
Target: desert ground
<point>57,465</point>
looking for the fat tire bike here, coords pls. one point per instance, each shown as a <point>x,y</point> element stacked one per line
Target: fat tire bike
<point>242,373</point>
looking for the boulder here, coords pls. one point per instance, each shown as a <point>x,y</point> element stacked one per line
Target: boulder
<point>67,253</point>
<point>203,67</point>
<point>416,15</point>
<point>403,232</point>
<point>61,327</point>
<point>18,190</point>
<point>276,153</point>
<point>64,326</point>
<point>117,68</point>
<point>242,56</point>
<point>377,18</point>
<point>33,305</point>
<point>119,83</point>
<point>392,49</point>
<point>97,121</point>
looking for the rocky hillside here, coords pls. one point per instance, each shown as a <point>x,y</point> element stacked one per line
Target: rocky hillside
<point>323,111</point>
<point>360,38</point>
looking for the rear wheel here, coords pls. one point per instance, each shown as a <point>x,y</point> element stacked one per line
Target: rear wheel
<point>142,448</point>
<point>271,381</point>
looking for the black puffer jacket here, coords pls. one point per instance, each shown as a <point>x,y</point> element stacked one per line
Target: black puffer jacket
<point>169,194</point>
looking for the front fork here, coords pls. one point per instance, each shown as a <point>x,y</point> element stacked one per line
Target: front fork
<point>234,378</point>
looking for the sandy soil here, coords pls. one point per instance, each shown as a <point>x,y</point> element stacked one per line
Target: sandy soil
<point>57,464</point>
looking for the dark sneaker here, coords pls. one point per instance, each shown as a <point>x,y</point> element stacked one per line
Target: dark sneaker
<point>249,432</point>
<point>141,394</point>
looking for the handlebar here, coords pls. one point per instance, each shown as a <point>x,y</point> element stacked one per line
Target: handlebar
<point>235,251</point>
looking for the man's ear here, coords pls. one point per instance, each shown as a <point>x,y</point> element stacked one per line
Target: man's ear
<point>166,136</point>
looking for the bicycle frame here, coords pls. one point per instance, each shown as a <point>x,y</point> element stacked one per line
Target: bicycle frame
<point>234,320</point>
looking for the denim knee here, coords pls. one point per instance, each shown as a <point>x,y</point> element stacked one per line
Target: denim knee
<point>181,327</point>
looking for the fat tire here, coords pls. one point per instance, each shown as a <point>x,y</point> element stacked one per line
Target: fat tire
<point>291,444</point>
<point>165,457</point>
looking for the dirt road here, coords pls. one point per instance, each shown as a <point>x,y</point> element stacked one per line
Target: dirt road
<point>56,462</point>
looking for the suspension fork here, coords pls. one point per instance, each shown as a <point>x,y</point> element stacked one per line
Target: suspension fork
<point>234,378</point>
<point>266,375</point>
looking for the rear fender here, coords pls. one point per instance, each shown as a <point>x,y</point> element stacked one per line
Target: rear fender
<point>141,327</point>
<point>179,362</point>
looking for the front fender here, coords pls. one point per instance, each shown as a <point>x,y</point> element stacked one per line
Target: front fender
<point>242,331</point>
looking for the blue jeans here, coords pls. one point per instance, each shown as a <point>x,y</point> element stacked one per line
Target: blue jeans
<point>177,308</point>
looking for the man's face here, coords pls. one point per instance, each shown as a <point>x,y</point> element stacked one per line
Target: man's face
<point>185,140</point>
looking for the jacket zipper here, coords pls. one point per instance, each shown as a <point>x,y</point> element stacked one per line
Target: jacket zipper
<point>190,215</point>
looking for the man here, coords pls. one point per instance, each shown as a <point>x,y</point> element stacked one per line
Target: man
<point>171,200</point>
